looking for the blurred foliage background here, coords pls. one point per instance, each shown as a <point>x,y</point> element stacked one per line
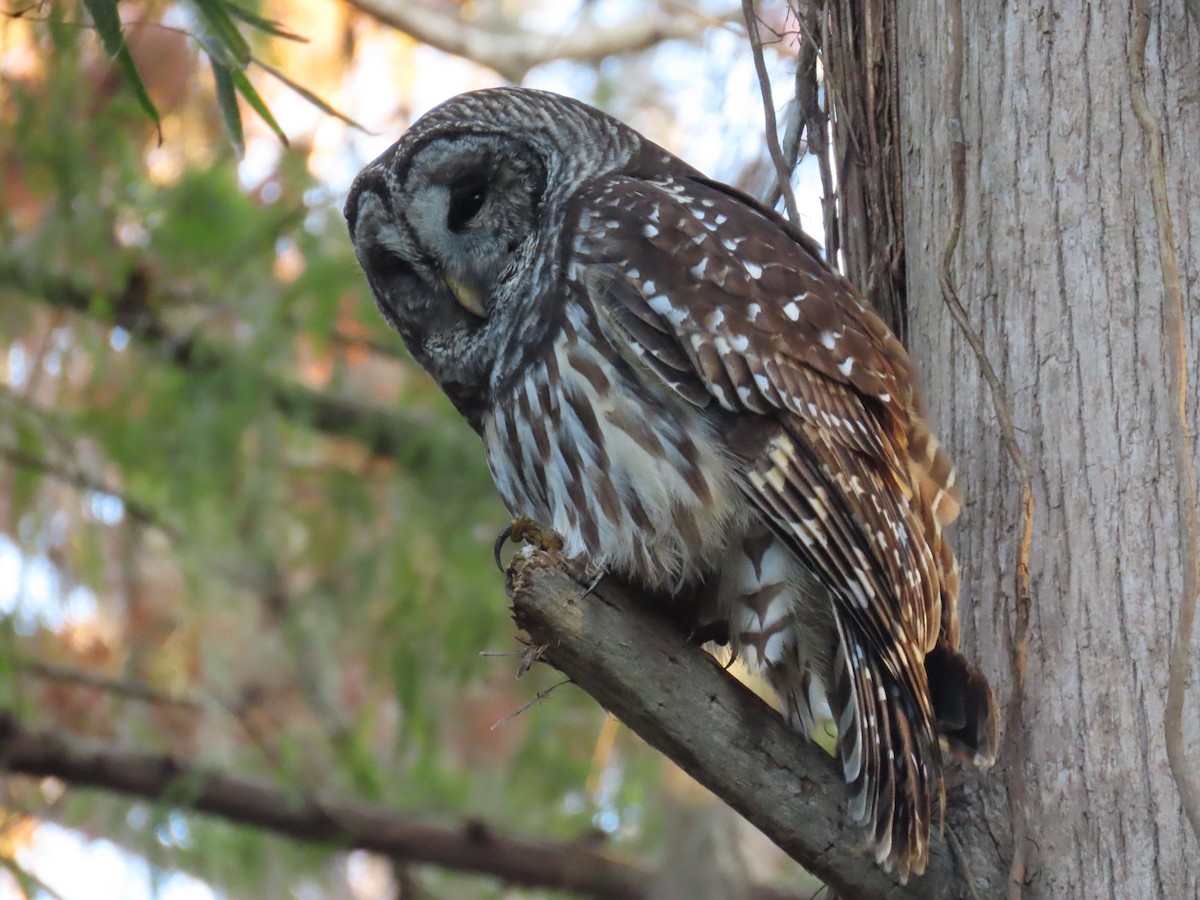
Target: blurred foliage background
<point>237,525</point>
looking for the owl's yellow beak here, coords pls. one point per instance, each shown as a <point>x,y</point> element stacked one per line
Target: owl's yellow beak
<point>467,295</point>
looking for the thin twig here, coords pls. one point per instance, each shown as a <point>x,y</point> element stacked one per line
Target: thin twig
<point>537,698</point>
<point>379,348</point>
<point>817,128</point>
<point>1181,439</point>
<point>136,510</point>
<point>130,688</point>
<point>796,139</point>
<point>1000,402</point>
<point>764,83</point>
<point>37,365</point>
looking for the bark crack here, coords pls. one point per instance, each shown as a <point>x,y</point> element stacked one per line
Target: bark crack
<point>1181,441</point>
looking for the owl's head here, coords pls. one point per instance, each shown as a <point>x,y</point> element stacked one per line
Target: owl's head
<point>457,226</point>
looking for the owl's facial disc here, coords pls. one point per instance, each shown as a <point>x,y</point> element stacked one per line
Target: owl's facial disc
<point>471,201</point>
<point>445,227</point>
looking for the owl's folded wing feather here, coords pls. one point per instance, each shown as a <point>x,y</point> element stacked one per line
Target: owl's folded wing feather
<point>757,324</point>
<point>728,308</point>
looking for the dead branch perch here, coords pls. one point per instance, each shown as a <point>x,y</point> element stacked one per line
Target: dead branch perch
<point>678,699</point>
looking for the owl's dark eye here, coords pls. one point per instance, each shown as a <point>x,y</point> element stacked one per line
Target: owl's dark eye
<point>467,196</point>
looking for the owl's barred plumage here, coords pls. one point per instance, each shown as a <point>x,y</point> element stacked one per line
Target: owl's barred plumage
<point>670,376</point>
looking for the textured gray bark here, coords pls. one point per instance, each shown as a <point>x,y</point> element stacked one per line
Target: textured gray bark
<point>1059,269</point>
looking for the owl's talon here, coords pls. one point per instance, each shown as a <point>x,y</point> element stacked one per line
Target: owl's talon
<point>593,581</point>
<point>710,632</point>
<point>501,539</point>
<point>716,632</point>
<point>524,530</point>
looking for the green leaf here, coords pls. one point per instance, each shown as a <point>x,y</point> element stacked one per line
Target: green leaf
<point>270,26</point>
<point>227,100</point>
<point>311,97</point>
<point>139,90</point>
<point>108,26</point>
<point>232,46</point>
<point>246,89</point>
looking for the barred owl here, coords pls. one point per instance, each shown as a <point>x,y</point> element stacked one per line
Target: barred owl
<point>669,375</point>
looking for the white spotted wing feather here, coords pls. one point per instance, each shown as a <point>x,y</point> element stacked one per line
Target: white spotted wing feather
<point>738,314</point>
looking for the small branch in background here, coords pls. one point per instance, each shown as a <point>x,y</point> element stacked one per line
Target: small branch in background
<point>782,172</point>
<point>512,52</point>
<point>351,343</point>
<point>384,434</point>
<point>471,846</point>
<point>37,365</point>
<point>407,886</point>
<point>136,510</point>
<point>1003,409</point>
<point>537,698</point>
<point>811,16</point>
<point>1188,498</point>
<point>642,669</point>
<point>129,688</point>
<point>798,118</point>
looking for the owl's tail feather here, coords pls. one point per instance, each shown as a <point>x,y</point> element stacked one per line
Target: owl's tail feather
<point>968,719</point>
<point>935,502</point>
<point>891,763</point>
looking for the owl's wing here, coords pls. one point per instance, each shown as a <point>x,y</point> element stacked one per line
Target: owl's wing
<point>720,301</point>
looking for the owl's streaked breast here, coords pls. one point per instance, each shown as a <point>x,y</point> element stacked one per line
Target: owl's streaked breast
<point>639,488</point>
<point>644,490</point>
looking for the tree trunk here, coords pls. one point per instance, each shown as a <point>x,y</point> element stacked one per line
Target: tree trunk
<point>1058,266</point>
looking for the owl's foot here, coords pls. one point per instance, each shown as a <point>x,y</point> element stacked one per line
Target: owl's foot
<point>714,633</point>
<point>710,632</point>
<point>524,530</point>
